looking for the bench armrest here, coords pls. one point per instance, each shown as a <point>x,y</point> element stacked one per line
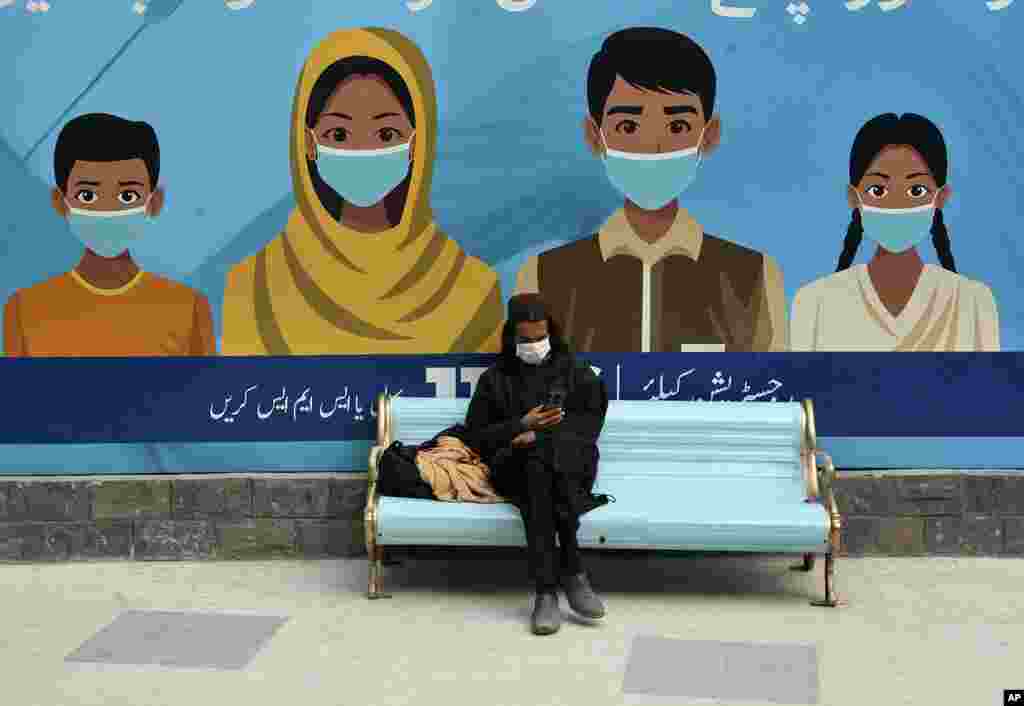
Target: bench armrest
<point>384,431</point>
<point>808,456</point>
<point>826,473</point>
<point>820,480</point>
<point>370,512</point>
<point>384,425</point>
<point>373,469</point>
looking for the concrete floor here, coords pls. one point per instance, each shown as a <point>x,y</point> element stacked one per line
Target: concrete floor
<point>917,631</point>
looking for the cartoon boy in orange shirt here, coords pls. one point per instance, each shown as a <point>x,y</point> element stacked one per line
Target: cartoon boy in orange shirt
<point>106,171</point>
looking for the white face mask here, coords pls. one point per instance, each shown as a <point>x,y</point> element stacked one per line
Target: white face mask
<point>534,353</point>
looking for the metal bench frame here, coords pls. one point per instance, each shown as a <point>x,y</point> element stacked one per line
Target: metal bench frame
<point>818,481</point>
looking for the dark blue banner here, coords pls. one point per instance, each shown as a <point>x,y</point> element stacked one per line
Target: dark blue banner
<point>331,398</point>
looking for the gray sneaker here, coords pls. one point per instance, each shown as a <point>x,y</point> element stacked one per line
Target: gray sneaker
<point>547,616</point>
<point>582,598</point>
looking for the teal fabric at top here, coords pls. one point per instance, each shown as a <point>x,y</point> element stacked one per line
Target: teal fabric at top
<point>685,475</point>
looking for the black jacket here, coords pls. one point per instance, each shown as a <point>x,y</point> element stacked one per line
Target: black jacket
<point>507,391</point>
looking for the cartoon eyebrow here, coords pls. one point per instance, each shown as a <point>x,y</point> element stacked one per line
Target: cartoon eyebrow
<point>338,115</point>
<point>884,176</point>
<point>917,174</point>
<point>130,183</point>
<point>680,109</point>
<point>385,115</point>
<point>627,109</point>
<point>87,183</point>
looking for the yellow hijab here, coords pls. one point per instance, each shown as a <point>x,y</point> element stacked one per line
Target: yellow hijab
<point>323,288</point>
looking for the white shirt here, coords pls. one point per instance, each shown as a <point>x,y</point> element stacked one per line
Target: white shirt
<point>843,312</point>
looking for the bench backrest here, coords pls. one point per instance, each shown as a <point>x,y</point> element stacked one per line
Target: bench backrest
<point>757,443</point>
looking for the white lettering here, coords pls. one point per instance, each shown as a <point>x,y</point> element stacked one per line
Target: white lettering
<point>739,13</point>
<point>471,376</point>
<point>444,381</point>
<point>516,5</point>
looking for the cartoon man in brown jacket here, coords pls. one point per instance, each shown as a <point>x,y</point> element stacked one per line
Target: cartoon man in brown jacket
<point>651,279</point>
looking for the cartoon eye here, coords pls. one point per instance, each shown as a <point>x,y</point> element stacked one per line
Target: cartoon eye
<point>387,134</point>
<point>918,191</point>
<point>876,190</point>
<point>627,126</point>
<point>86,196</point>
<point>338,134</point>
<point>128,197</point>
<point>676,127</point>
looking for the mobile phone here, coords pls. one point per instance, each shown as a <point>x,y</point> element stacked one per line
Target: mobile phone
<point>555,400</point>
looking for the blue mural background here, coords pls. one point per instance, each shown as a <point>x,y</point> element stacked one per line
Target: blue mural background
<point>512,173</point>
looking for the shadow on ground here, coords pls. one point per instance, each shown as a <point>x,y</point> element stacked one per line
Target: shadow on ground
<point>632,574</point>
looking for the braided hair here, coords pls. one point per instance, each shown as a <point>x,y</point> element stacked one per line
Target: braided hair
<point>877,134</point>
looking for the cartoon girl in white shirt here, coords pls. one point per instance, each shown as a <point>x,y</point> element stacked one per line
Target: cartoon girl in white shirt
<point>898,168</point>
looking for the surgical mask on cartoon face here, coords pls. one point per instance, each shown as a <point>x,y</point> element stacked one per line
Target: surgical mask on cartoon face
<point>897,229</point>
<point>108,233</point>
<point>363,177</point>
<point>652,180</point>
<point>534,353</point>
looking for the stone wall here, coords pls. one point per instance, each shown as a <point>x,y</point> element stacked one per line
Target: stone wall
<point>316,516</point>
<point>913,515</point>
<point>195,517</point>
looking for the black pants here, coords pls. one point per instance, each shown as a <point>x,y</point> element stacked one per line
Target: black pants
<point>541,495</point>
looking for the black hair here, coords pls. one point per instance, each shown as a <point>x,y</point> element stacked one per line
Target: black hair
<point>394,203</point>
<point>508,357</point>
<point>926,139</point>
<point>100,137</point>
<point>653,59</point>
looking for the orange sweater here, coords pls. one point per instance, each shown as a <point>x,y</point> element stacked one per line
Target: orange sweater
<point>65,316</point>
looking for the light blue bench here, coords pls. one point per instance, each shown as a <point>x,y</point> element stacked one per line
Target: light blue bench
<point>689,476</point>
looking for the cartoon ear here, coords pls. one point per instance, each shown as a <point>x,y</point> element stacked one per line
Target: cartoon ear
<point>310,145</point>
<point>712,136</point>
<point>944,195</point>
<point>852,196</point>
<point>57,200</point>
<point>156,202</point>
<point>591,137</point>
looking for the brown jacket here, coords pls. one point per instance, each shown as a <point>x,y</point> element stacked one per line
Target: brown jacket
<point>704,292</point>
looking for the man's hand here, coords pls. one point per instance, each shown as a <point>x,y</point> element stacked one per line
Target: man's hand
<point>527,438</point>
<point>541,418</point>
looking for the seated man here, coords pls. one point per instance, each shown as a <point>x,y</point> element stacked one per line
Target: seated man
<point>106,170</point>
<point>537,414</point>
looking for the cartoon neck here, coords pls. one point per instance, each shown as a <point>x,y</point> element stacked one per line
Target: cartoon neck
<point>366,219</point>
<point>107,272</point>
<point>651,226</point>
<point>895,276</point>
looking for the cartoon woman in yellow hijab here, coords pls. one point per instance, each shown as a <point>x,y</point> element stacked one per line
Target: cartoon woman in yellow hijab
<point>361,268</point>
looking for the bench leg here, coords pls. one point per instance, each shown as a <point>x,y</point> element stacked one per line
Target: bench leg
<point>376,582</point>
<point>831,599</point>
<point>806,565</point>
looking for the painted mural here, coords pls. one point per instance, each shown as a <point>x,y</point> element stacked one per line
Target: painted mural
<point>255,179</point>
